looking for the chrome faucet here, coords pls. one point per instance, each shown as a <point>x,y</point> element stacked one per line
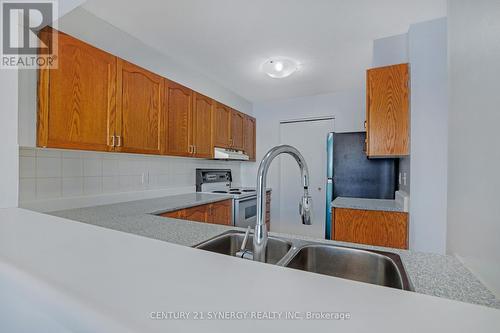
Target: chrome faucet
<point>260,234</point>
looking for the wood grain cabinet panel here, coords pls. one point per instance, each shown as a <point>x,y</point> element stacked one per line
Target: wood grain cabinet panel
<point>249,137</point>
<point>179,114</point>
<point>202,137</point>
<point>76,101</point>
<point>379,228</point>
<point>197,213</point>
<point>387,116</point>
<point>140,116</point>
<point>222,126</point>
<point>221,212</point>
<point>237,130</point>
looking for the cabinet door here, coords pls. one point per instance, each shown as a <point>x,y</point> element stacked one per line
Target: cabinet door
<point>371,227</point>
<point>197,213</point>
<point>387,116</point>
<point>176,214</point>
<point>249,137</point>
<point>76,101</point>
<point>140,117</point>
<point>201,126</point>
<point>221,212</point>
<point>237,125</point>
<point>179,113</point>
<point>222,125</point>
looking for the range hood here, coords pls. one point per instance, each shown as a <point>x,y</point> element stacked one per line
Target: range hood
<point>229,154</point>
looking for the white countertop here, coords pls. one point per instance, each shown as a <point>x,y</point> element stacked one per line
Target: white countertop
<point>116,280</point>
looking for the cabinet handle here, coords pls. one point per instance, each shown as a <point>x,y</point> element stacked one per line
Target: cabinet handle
<point>112,141</point>
<point>194,150</point>
<point>365,124</point>
<point>119,139</point>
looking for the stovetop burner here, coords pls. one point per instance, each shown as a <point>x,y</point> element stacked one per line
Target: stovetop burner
<point>235,192</point>
<point>219,192</point>
<point>248,190</point>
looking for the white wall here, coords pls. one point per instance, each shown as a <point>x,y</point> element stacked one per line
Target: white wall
<point>87,27</point>
<point>425,48</point>
<point>429,135</point>
<point>474,154</point>
<point>348,108</point>
<point>52,179</point>
<point>390,51</point>
<point>9,150</point>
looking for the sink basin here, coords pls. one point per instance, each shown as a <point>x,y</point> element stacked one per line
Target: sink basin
<point>376,267</point>
<point>230,243</point>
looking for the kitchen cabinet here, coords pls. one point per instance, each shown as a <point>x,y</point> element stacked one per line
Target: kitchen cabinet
<point>140,110</point>
<point>237,126</point>
<point>76,101</point>
<point>379,228</point>
<point>179,114</point>
<point>222,126</point>
<point>249,137</point>
<point>97,101</point>
<point>220,212</point>
<point>202,138</point>
<point>387,111</point>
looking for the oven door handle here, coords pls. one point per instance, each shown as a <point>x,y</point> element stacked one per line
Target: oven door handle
<point>246,199</point>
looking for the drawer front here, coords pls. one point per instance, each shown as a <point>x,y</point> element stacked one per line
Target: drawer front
<point>379,228</point>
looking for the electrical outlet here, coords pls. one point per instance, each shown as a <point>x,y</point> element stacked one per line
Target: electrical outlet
<point>404,178</point>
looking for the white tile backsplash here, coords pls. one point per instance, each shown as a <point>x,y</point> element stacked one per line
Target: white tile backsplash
<point>92,167</point>
<point>54,173</point>
<point>27,189</point>
<point>92,185</point>
<point>47,188</point>
<point>72,167</point>
<point>48,167</point>
<point>72,186</point>
<point>27,167</point>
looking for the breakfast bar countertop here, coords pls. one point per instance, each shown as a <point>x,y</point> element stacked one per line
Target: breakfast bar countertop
<point>432,274</point>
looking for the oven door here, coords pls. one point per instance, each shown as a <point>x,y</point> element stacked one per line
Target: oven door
<point>245,212</point>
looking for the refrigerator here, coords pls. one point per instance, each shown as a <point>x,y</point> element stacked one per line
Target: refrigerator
<point>349,173</point>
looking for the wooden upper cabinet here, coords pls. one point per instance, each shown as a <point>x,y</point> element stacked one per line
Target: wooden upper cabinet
<point>222,126</point>
<point>76,101</point>
<point>201,126</point>
<point>237,126</point>
<point>387,116</point>
<point>179,114</point>
<point>249,137</point>
<point>140,112</point>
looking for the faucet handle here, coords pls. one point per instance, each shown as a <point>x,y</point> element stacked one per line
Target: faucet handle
<point>245,240</point>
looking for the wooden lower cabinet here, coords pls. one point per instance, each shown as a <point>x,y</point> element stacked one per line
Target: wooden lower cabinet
<point>379,228</point>
<point>220,212</point>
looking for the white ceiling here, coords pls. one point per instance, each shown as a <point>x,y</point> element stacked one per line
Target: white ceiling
<point>228,40</point>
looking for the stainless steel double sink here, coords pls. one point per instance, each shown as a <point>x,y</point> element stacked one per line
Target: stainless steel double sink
<point>370,266</point>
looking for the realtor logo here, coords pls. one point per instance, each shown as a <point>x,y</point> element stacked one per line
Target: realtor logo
<point>21,24</point>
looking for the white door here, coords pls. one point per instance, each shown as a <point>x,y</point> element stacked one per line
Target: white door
<point>309,137</point>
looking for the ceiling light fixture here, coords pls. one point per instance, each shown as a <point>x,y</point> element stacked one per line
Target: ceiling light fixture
<point>280,67</point>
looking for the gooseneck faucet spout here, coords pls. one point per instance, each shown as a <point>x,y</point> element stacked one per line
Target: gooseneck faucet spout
<point>260,234</point>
